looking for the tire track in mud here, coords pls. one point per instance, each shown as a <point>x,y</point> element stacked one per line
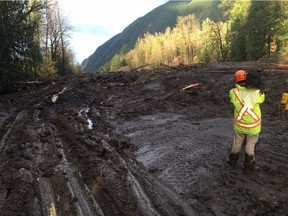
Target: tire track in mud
<point>48,145</point>
<point>9,127</point>
<point>143,185</point>
<point>80,193</point>
<point>141,195</point>
<point>47,195</point>
<point>168,192</point>
<point>81,197</point>
<point>180,153</point>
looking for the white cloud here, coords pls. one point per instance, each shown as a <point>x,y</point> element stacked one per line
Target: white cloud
<point>96,21</point>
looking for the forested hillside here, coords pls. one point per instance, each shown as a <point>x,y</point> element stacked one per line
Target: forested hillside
<point>244,30</point>
<point>34,41</point>
<point>34,37</point>
<point>158,20</point>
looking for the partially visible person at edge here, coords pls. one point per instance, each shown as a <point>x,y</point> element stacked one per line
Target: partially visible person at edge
<point>247,120</point>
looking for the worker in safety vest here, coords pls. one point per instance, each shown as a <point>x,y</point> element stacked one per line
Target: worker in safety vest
<point>247,120</point>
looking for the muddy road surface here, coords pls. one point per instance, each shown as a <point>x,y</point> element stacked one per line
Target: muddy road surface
<point>138,143</point>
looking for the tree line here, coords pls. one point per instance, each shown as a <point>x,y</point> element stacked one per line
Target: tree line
<point>34,41</point>
<point>249,30</point>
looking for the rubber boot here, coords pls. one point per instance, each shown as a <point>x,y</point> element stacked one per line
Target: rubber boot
<point>233,158</point>
<point>249,163</point>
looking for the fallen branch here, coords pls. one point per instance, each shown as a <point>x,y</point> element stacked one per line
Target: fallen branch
<point>190,86</point>
<point>135,69</point>
<point>109,98</point>
<point>32,82</point>
<point>55,96</point>
<point>171,67</point>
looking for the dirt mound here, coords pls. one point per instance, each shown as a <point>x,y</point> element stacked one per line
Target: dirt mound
<point>138,143</point>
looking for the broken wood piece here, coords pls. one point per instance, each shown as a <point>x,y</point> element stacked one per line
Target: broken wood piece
<point>109,98</point>
<point>171,67</point>
<point>190,86</point>
<point>55,96</point>
<point>135,69</point>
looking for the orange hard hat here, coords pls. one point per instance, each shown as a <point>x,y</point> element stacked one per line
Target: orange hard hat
<point>240,75</point>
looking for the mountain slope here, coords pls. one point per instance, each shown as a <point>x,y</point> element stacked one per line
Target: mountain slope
<point>155,21</point>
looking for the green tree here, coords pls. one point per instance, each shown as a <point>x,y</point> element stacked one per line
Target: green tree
<point>281,29</point>
<point>169,47</point>
<point>214,41</point>
<point>187,29</point>
<point>238,29</point>
<point>56,31</point>
<point>19,49</point>
<point>275,25</point>
<point>117,62</point>
<point>257,28</point>
<point>259,34</point>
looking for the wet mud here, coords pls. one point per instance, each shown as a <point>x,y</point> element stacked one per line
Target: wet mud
<point>148,142</point>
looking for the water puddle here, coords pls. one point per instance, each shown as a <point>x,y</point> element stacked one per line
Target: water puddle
<point>84,114</point>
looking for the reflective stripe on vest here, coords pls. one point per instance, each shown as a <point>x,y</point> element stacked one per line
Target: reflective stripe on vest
<point>244,110</point>
<point>253,125</point>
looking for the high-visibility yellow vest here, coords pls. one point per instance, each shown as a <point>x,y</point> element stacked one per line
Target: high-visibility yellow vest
<point>247,112</point>
<point>284,101</point>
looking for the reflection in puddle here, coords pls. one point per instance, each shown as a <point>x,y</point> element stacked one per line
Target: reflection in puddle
<point>84,114</point>
<point>90,124</point>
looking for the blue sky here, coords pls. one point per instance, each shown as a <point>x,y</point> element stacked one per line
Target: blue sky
<point>95,22</point>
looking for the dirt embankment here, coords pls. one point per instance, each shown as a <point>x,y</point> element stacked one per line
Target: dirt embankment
<point>140,143</point>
